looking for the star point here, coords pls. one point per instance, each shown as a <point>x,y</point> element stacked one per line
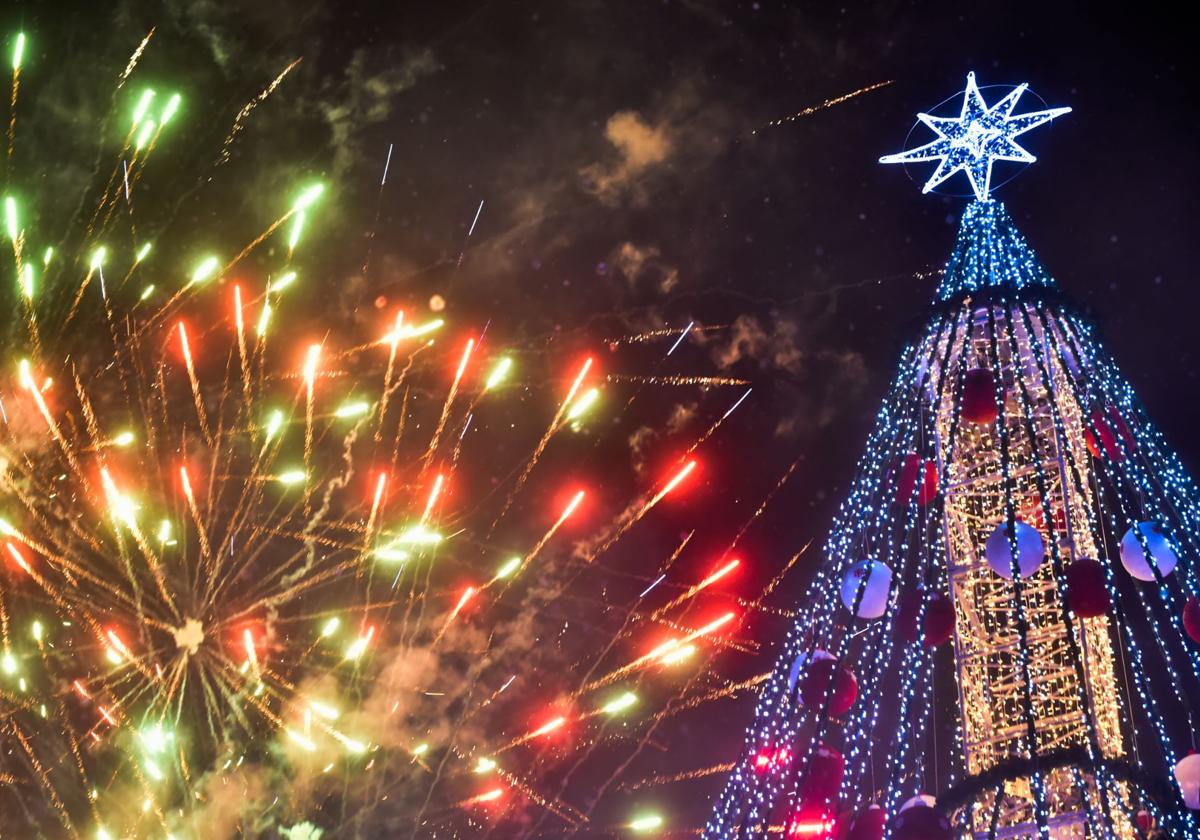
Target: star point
<point>974,140</point>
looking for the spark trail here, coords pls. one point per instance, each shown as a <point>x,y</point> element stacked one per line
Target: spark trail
<point>239,121</point>
<point>828,103</point>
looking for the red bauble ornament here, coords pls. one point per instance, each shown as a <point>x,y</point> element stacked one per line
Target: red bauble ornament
<point>908,614</point>
<point>824,777</point>
<point>979,403</point>
<point>913,469</point>
<point>921,799</point>
<point>1145,821</point>
<point>868,824</point>
<point>929,486</point>
<point>1102,440</point>
<point>823,673</point>
<point>921,822</point>
<point>1191,618</point>
<point>1087,595</point>
<point>939,620</point>
<point>1121,427</point>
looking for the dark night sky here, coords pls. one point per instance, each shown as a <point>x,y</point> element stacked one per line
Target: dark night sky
<point>624,189</point>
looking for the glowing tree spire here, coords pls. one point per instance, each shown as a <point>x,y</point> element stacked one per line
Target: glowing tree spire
<point>1004,638</point>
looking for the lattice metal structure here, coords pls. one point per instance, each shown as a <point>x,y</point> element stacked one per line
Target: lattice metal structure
<point>1075,697</point>
<point>1003,640</point>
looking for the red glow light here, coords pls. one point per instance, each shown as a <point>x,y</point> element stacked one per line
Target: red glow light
<point>679,477</point>
<point>463,600</point>
<point>811,827</point>
<point>186,485</point>
<point>571,506</point>
<point>380,486</point>
<point>18,557</point>
<point>766,760</point>
<point>577,382</point>
<point>548,727</point>
<point>466,357</point>
<point>488,796</point>
<point>237,310</point>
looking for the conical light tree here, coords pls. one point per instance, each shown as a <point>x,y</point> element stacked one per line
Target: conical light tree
<point>1002,641</point>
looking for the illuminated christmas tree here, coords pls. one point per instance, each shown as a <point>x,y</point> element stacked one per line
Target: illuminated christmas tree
<point>1002,641</point>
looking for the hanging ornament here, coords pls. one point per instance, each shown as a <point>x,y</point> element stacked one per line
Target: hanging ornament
<point>868,824</point>
<point>1120,426</point>
<point>929,483</point>
<point>1087,592</point>
<point>911,469</point>
<point>979,397</point>
<point>1133,557</point>
<point>921,799</point>
<point>874,581</point>
<point>1187,774</point>
<point>908,614</point>
<point>824,673</point>
<point>1030,550</point>
<point>795,671</point>
<point>824,778</point>
<point>939,620</point>
<point>1145,822</point>
<point>921,822</point>
<point>1102,440</point>
<point>1191,618</point>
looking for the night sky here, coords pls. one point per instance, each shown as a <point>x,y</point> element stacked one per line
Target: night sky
<point>630,181</point>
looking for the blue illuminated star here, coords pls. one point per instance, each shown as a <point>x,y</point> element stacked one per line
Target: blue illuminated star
<point>976,138</point>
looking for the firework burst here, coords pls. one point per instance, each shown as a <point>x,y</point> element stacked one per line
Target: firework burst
<point>245,582</point>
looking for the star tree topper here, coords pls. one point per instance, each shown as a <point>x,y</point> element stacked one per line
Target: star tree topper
<point>976,138</point>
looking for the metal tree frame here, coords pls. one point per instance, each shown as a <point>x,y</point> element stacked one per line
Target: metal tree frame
<point>1023,664</point>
